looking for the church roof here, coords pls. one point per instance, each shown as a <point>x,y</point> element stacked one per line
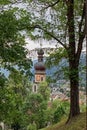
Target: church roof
<point>40,64</point>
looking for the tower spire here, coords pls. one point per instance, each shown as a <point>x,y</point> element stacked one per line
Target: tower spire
<point>40,55</point>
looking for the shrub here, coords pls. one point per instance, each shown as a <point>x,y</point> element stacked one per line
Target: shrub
<point>32,127</point>
<point>59,112</point>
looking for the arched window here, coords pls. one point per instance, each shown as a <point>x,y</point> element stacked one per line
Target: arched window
<point>41,78</point>
<point>35,88</point>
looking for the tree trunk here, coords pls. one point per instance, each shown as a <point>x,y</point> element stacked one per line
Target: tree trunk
<point>74,99</point>
<point>74,90</point>
<point>73,63</point>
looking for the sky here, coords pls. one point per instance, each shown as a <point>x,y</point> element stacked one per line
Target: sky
<point>40,43</point>
<point>45,44</point>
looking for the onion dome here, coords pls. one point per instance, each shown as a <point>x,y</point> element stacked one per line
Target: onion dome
<point>40,52</point>
<point>40,64</point>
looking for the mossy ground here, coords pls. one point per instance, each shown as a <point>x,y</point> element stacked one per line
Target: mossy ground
<point>77,123</point>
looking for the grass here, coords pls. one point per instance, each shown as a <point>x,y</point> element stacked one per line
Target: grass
<point>77,123</point>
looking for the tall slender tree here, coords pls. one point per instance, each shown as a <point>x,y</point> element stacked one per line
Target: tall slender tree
<point>62,21</point>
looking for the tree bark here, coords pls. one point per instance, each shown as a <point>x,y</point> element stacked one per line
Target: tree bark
<point>74,90</point>
<point>73,64</point>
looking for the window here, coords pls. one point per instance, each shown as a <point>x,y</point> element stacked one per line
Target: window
<point>37,77</point>
<point>41,78</point>
<point>34,88</point>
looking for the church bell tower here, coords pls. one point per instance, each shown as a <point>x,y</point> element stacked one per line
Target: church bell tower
<point>40,70</point>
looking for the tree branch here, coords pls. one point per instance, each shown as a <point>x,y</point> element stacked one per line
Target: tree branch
<point>81,22</point>
<point>16,1</point>
<point>51,5</point>
<point>81,34</point>
<point>51,35</point>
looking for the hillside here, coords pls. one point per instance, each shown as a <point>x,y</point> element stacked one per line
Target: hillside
<point>77,123</point>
